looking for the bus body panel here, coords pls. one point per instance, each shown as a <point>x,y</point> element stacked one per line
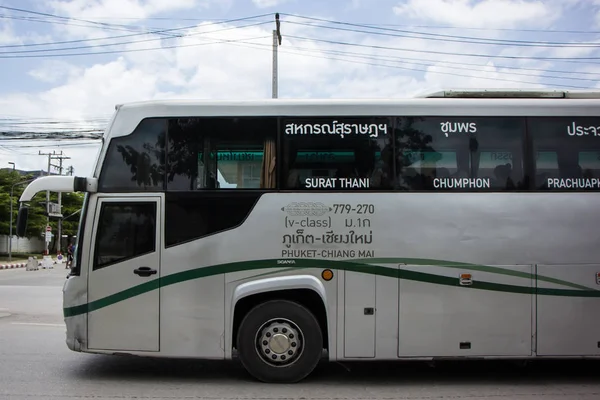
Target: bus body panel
<point>568,325</point>
<point>417,275</point>
<point>75,294</point>
<point>359,315</point>
<point>386,317</point>
<point>453,321</point>
<point>500,260</point>
<point>75,289</point>
<point>498,251</point>
<point>192,308</point>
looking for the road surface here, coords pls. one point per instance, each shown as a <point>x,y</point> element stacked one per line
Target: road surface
<point>36,364</point>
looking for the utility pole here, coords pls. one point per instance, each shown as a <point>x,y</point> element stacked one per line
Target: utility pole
<point>11,218</point>
<point>47,197</point>
<point>58,242</point>
<point>276,44</point>
<point>59,157</point>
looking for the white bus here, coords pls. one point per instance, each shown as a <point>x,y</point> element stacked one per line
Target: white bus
<point>453,225</point>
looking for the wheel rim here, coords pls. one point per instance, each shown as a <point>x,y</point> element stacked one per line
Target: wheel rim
<point>279,342</point>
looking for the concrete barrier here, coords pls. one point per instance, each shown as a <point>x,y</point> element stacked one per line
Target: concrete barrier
<point>11,266</point>
<point>48,262</point>
<point>32,264</point>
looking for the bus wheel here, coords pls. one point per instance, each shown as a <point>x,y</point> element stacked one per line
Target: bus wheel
<point>279,341</point>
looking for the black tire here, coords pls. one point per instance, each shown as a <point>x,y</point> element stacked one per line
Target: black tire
<point>311,343</point>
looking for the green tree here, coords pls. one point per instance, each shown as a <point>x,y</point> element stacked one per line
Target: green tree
<point>8,178</point>
<point>36,222</point>
<point>71,203</point>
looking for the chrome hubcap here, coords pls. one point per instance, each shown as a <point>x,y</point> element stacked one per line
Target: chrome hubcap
<point>279,342</point>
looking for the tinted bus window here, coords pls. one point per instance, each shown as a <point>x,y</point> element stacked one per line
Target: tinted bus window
<point>337,153</point>
<point>125,231</point>
<point>221,153</point>
<point>135,163</point>
<point>567,153</point>
<point>459,153</point>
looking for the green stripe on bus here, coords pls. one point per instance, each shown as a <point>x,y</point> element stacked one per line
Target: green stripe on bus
<point>304,264</point>
<point>474,267</point>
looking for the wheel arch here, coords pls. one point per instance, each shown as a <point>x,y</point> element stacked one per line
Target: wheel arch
<point>303,289</point>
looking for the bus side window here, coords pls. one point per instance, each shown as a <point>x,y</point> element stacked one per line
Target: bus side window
<point>460,153</point>
<point>135,163</point>
<point>567,154</point>
<point>337,153</point>
<point>221,153</point>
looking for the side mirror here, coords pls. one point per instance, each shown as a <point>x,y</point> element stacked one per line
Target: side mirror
<point>22,221</point>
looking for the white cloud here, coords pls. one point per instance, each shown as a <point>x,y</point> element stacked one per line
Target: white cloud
<point>54,71</point>
<point>355,4</point>
<point>596,3</point>
<point>97,89</point>
<point>26,158</point>
<point>126,13</point>
<point>7,34</point>
<point>140,9</point>
<point>485,13</point>
<point>487,76</point>
<point>268,3</point>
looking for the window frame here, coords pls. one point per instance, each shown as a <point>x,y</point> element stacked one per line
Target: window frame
<point>559,144</point>
<point>269,121</point>
<point>114,141</point>
<point>116,202</point>
<point>284,147</point>
<point>527,142</point>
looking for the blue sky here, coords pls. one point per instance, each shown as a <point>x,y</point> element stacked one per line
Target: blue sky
<point>331,49</point>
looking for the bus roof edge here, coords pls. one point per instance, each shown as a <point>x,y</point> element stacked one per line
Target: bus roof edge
<point>511,93</point>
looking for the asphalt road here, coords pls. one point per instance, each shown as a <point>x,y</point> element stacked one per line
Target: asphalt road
<point>36,364</point>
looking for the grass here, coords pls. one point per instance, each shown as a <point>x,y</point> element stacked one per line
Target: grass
<point>21,256</point>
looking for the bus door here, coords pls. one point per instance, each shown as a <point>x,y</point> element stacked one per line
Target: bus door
<point>124,274</point>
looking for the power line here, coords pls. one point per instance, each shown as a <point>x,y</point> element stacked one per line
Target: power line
<point>443,52</point>
<point>32,135</point>
<point>134,50</point>
<point>366,24</point>
<point>264,47</point>
<point>164,18</point>
<point>239,42</point>
<point>131,28</point>
<point>436,62</point>
<point>354,55</point>
<point>407,34</point>
<point>482,28</point>
<point>33,118</point>
<point>462,68</point>
<point>128,42</point>
<point>103,25</point>
<point>82,40</point>
<point>566,59</point>
<point>429,34</point>
<point>55,142</point>
<point>27,121</point>
<point>459,39</point>
<point>7,131</point>
<point>132,34</point>
<point>11,54</point>
<point>404,68</point>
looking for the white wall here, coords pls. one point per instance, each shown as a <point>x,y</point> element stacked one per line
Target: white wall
<point>22,245</point>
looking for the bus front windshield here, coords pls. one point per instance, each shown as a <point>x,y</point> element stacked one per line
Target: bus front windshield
<point>76,264</point>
